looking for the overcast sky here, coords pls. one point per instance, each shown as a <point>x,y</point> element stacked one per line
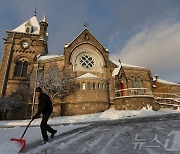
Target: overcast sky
<point>139,32</point>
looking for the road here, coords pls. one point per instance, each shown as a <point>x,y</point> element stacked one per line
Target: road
<point>149,135</point>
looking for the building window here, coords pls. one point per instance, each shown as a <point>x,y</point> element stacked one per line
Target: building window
<point>94,85</point>
<point>29,27</point>
<point>83,86</point>
<point>139,82</point>
<point>86,61</point>
<point>21,68</point>
<point>133,82</point>
<point>103,86</point>
<point>89,86</point>
<point>28,30</point>
<point>99,86</point>
<point>78,85</point>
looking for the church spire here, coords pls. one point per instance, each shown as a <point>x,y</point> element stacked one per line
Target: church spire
<point>43,27</point>
<point>44,19</point>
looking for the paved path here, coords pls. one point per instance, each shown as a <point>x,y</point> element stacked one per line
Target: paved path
<point>150,135</point>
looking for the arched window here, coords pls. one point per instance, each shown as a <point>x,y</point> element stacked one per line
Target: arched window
<point>24,69</point>
<point>133,82</point>
<point>18,68</point>
<point>102,85</point>
<point>94,85</point>
<point>29,27</point>
<point>78,85</point>
<point>21,68</point>
<point>99,86</point>
<point>28,30</point>
<point>89,86</point>
<point>83,86</point>
<point>139,82</point>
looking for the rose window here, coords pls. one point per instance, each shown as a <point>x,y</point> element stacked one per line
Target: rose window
<point>86,61</point>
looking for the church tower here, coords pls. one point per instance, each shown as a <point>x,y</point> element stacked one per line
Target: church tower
<point>22,47</point>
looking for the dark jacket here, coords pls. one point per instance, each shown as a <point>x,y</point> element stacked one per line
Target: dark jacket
<point>44,106</point>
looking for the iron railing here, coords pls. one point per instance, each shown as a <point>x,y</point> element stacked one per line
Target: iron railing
<point>161,98</point>
<point>133,92</point>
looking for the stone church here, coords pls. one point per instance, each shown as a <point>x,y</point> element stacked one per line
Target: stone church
<point>100,82</point>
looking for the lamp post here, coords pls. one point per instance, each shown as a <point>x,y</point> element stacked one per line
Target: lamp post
<point>108,95</point>
<point>34,93</point>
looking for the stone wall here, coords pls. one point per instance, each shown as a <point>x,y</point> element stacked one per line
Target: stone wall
<point>91,99</point>
<point>69,109</point>
<point>133,103</point>
<point>167,88</point>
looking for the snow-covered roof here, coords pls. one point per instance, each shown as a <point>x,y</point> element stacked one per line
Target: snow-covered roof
<point>87,75</point>
<point>116,70</point>
<point>167,82</point>
<point>49,57</point>
<point>126,65</point>
<point>34,23</point>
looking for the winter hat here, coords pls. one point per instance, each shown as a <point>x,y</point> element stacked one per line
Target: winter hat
<point>38,89</point>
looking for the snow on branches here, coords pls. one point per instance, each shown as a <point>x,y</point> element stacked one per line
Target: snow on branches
<point>57,83</point>
<point>9,103</point>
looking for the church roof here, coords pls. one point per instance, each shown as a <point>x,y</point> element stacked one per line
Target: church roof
<point>166,82</point>
<point>87,75</point>
<point>126,65</point>
<point>49,57</point>
<point>116,70</point>
<point>34,23</point>
<point>85,30</point>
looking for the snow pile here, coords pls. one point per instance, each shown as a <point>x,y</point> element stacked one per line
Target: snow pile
<point>111,114</point>
<point>65,124</point>
<point>10,147</point>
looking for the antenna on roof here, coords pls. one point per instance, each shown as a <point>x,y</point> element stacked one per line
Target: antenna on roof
<point>35,11</point>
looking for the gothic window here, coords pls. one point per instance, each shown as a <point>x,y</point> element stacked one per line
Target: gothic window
<point>89,86</point>
<point>21,68</point>
<point>133,82</point>
<point>18,68</point>
<point>86,61</point>
<point>139,82</point>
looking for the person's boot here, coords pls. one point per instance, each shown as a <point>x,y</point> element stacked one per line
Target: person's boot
<point>45,141</point>
<point>52,134</point>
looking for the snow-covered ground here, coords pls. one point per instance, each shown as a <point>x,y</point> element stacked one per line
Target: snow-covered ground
<point>15,128</point>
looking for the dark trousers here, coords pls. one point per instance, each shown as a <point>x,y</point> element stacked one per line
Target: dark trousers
<point>45,127</point>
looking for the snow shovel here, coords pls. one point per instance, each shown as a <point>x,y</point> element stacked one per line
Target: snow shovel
<point>21,141</point>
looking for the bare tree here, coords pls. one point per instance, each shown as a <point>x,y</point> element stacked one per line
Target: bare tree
<point>9,103</point>
<point>57,83</point>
